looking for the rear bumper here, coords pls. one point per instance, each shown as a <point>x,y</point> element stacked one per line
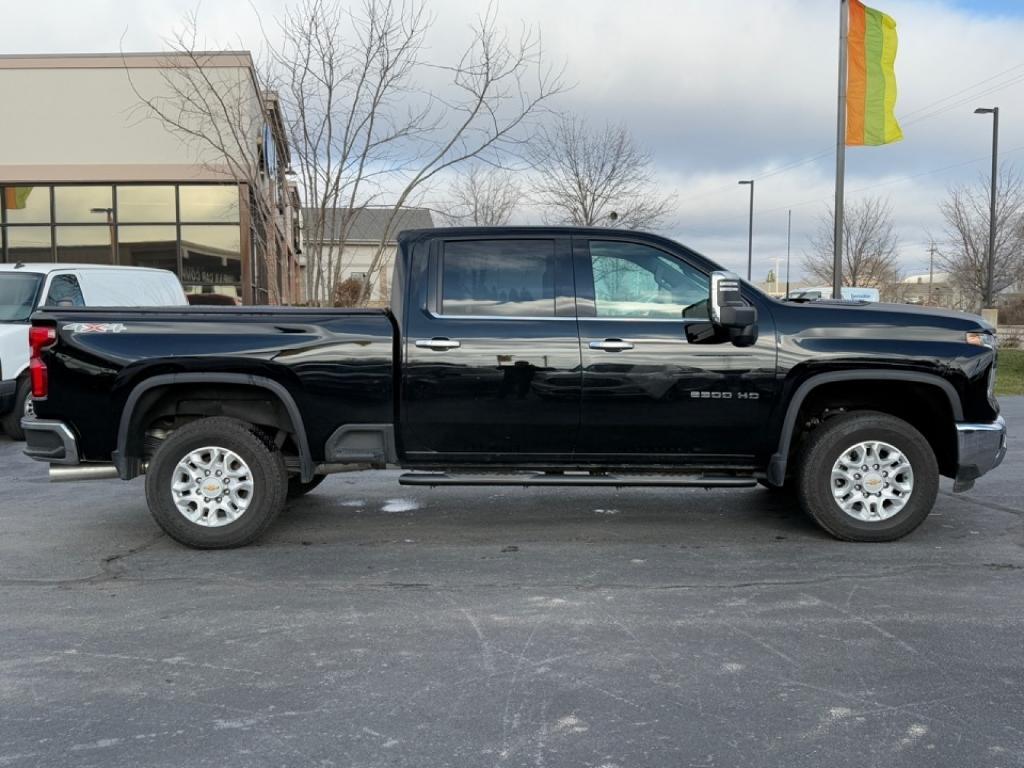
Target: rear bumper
<point>50,441</point>
<point>981,448</point>
<point>8,389</point>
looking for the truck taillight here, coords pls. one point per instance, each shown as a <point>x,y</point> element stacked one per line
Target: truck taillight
<point>39,338</point>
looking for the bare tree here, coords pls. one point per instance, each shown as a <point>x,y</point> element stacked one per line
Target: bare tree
<point>221,113</point>
<point>966,211</point>
<point>870,246</point>
<point>366,130</point>
<point>593,177</point>
<point>482,196</point>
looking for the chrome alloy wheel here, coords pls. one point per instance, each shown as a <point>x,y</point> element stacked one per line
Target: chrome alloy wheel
<point>872,481</point>
<point>212,486</point>
<point>28,408</point>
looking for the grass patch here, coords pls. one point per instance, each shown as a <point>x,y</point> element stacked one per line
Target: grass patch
<point>1010,372</point>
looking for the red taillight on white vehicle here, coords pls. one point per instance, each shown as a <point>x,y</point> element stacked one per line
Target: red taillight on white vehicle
<point>39,338</point>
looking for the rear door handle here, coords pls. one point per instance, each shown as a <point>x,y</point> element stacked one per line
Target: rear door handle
<point>439,344</point>
<point>611,345</point>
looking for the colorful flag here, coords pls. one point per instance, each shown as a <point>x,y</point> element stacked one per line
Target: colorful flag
<point>871,78</point>
<point>16,197</point>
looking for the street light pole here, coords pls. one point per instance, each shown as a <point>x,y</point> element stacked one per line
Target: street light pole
<point>750,231</point>
<point>989,299</point>
<point>931,274</point>
<point>789,241</point>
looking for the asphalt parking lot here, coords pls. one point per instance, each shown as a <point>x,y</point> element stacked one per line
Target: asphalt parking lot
<point>384,626</point>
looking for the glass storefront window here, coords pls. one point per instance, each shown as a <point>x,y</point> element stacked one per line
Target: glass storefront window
<point>84,245</point>
<point>28,244</point>
<point>82,205</point>
<point>193,230</point>
<point>148,246</point>
<point>145,203</point>
<point>209,202</point>
<point>27,205</point>
<point>211,255</point>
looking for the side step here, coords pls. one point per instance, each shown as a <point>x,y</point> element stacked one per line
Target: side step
<point>698,480</point>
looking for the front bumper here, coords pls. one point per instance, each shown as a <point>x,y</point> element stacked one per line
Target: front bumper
<point>50,441</point>
<point>8,389</point>
<point>980,448</point>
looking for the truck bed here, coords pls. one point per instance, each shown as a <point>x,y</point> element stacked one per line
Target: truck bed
<point>337,364</point>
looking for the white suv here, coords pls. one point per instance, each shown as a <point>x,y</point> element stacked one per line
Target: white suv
<point>25,287</point>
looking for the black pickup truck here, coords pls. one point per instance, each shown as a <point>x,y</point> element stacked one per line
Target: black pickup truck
<point>523,356</point>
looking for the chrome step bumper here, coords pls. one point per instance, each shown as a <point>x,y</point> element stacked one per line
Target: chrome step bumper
<point>980,449</point>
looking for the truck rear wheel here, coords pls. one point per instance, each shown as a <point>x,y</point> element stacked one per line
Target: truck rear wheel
<point>215,484</point>
<point>867,476</point>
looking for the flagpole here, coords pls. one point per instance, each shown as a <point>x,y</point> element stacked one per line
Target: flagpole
<point>837,233</point>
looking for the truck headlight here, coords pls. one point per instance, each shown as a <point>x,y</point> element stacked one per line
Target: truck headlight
<point>981,339</point>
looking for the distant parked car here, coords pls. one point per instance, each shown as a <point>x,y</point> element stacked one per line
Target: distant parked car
<point>849,293</point>
<point>26,287</point>
<point>212,300</point>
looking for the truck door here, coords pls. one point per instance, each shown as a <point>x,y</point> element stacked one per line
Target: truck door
<point>491,362</point>
<point>649,394</point>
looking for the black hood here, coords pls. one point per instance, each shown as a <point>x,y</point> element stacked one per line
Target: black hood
<point>896,315</point>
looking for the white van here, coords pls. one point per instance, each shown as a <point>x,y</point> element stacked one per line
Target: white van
<point>25,287</point>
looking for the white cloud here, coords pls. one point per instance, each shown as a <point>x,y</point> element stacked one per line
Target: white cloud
<point>717,91</point>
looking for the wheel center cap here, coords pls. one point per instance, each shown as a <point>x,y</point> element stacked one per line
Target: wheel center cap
<point>211,487</point>
<point>873,482</point>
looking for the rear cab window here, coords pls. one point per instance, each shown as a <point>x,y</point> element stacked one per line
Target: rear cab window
<point>499,278</point>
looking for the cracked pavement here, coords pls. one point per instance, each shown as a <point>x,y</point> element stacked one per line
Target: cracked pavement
<point>377,625</point>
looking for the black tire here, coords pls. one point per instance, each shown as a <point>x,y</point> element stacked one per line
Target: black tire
<point>266,466</point>
<point>12,421</point>
<point>826,444</point>
<point>297,488</point>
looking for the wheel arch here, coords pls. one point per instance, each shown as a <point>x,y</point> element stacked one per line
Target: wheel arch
<point>943,390</point>
<point>127,456</point>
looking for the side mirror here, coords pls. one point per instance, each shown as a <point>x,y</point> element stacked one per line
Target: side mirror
<point>730,311</point>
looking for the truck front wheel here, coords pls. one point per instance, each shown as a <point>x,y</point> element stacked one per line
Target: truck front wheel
<point>867,476</point>
<point>215,484</point>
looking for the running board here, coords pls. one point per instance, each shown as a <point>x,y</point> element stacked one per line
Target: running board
<point>579,478</point>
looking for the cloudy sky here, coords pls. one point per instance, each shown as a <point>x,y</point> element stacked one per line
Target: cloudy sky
<point>715,90</point>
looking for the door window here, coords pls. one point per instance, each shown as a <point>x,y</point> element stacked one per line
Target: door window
<point>633,280</point>
<point>503,278</point>
<point>64,292</point>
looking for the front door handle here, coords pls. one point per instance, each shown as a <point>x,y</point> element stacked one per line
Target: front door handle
<point>439,344</point>
<point>611,345</point>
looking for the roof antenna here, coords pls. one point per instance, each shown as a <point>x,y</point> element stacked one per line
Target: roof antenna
<point>19,265</point>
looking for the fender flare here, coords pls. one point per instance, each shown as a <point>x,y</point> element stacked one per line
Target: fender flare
<point>128,468</point>
<point>776,474</point>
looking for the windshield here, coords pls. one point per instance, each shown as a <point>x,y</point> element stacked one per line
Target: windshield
<point>17,296</point>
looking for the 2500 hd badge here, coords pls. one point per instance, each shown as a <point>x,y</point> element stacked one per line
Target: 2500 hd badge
<point>704,394</point>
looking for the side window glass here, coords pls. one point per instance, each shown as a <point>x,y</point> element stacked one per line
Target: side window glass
<point>64,292</point>
<point>503,278</point>
<point>633,280</point>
